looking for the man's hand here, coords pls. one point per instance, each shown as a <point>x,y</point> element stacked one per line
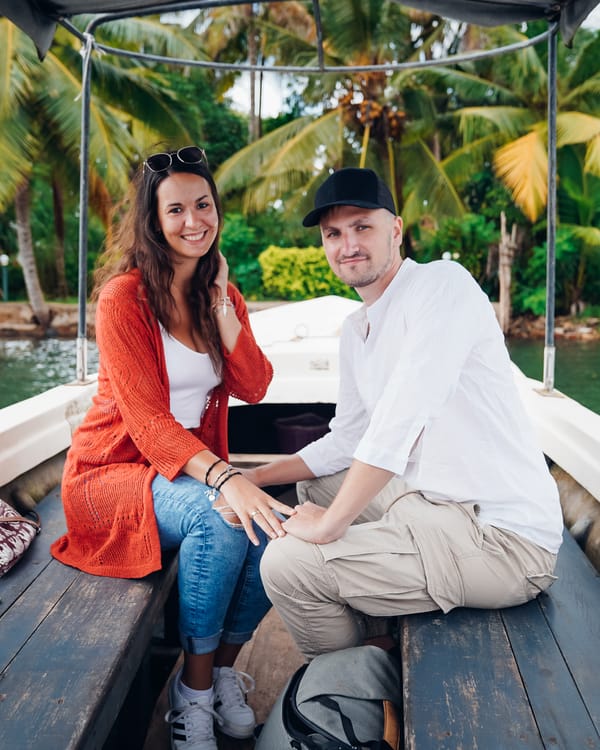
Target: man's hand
<point>313,524</point>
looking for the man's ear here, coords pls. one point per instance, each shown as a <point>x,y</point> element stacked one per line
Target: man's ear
<point>398,225</point>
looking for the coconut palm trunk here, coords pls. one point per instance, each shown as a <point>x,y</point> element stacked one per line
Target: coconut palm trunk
<point>26,257</point>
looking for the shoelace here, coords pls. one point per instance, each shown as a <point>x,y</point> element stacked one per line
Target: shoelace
<point>196,718</point>
<point>233,686</point>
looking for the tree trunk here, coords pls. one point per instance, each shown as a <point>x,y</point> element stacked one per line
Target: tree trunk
<point>26,256</point>
<point>506,254</point>
<point>59,248</point>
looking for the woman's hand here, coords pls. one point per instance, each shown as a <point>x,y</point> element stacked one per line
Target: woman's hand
<point>253,506</point>
<point>313,524</point>
<point>221,278</point>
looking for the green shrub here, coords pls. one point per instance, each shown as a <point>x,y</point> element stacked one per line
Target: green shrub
<point>238,244</point>
<point>529,294</point>
<point>297,273</point>
<point>467,239</point>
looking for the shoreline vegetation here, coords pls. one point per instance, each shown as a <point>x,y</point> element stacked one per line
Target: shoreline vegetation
<point>17,321</point>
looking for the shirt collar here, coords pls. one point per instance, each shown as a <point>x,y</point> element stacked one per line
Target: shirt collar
<point>366,316</point>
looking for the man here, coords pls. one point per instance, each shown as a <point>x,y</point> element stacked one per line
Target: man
<point>429,491</point>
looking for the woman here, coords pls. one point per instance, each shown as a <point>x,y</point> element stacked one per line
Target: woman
<point>147,470</point>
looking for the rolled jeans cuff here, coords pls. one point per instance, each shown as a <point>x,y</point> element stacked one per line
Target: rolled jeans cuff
<point>194,645</point>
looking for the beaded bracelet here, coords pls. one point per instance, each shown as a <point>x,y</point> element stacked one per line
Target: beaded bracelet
<point>227,478</point>
<point>223,304</point>
<point>210,468</point>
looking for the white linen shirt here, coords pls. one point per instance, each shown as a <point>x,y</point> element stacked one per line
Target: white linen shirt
<point>427,392</point>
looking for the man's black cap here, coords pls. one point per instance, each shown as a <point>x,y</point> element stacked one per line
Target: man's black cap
<point>350,187</point>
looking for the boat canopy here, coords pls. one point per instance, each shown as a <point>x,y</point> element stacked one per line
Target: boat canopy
<point>39,20</point>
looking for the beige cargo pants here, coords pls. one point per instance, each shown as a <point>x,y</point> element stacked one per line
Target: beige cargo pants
<point>403,555</point>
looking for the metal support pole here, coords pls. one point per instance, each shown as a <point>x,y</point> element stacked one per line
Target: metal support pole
<point>4,261</point>
<point>83,208</point>
<point>549,350</point>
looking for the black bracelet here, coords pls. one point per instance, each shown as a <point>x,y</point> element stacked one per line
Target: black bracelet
<point>228,470</point>
<point>210,468</point>
<point>227,478</point>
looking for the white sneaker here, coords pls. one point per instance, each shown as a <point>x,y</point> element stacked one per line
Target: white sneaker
<point>192,724</point>
<point>237,718</point>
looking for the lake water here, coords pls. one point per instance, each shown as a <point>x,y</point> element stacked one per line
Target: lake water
<point>577,367</point>
<point>31,367</point>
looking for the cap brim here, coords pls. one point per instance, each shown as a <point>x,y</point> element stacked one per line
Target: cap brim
<point>314,217</point>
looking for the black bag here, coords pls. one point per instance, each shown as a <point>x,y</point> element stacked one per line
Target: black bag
<point>345,700</point>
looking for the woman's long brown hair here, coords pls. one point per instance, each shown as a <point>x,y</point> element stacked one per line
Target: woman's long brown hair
<point>136,242</point>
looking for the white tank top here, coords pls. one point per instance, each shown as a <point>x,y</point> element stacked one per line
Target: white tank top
<point>191,379</point>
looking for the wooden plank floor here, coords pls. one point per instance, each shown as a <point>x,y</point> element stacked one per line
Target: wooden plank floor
<point>271,657</point>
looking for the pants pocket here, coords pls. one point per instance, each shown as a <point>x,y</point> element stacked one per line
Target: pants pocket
<point>538,582</point>
<point>367,565</point>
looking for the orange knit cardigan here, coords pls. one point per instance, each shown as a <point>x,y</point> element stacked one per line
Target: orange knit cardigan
<point>129,434</point>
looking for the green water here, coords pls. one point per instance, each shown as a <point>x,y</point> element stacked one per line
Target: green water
<point>577,367</point>
<point>31,367</point>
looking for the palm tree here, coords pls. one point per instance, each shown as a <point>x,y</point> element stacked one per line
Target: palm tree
<point>522,163</point>
<point>517,131</point>
<point>457,132</point>
<point>361,113</point>
<point>242,37</point>
<point>40,117</point>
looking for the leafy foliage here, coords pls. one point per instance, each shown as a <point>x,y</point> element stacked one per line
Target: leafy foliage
<point>467,240</point>
<point>530,277</point>
<point>294,273</point>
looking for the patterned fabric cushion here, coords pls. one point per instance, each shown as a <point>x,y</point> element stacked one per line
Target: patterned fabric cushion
<point>16,534</point>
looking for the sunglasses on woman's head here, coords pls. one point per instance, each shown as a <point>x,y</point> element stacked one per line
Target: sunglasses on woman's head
<point>186,155</point>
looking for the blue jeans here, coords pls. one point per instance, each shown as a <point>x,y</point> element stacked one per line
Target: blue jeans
<point>221,596</point>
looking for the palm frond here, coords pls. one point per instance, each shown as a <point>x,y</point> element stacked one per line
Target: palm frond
<point>432,192</point>
<point>576,127</point>
<point>585,65</point>
<point>317,143</point>
<point>18,68</point>
<point>509,121</point>
<point>589,235</point>
<point>149,34</point>
<point>17,153</point>
<point>585,97</point>
<point>466,160</point>
<point>592,156</point>
<point>464,86</point>
<point>523,167</point>
<point>243,167</point>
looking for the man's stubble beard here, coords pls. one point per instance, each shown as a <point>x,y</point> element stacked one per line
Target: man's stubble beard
<point>367,276</point>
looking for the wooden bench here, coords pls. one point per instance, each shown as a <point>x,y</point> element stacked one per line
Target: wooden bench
<point>71,645</point>
<point>524,677</point>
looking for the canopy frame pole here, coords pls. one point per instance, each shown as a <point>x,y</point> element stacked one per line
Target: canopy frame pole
<point>83,209</point>
<point>549,348</point>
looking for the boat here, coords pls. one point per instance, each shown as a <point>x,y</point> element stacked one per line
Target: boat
<point>301,339</point>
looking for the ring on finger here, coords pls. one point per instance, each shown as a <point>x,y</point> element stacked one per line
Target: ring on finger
<point>254,513</point>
